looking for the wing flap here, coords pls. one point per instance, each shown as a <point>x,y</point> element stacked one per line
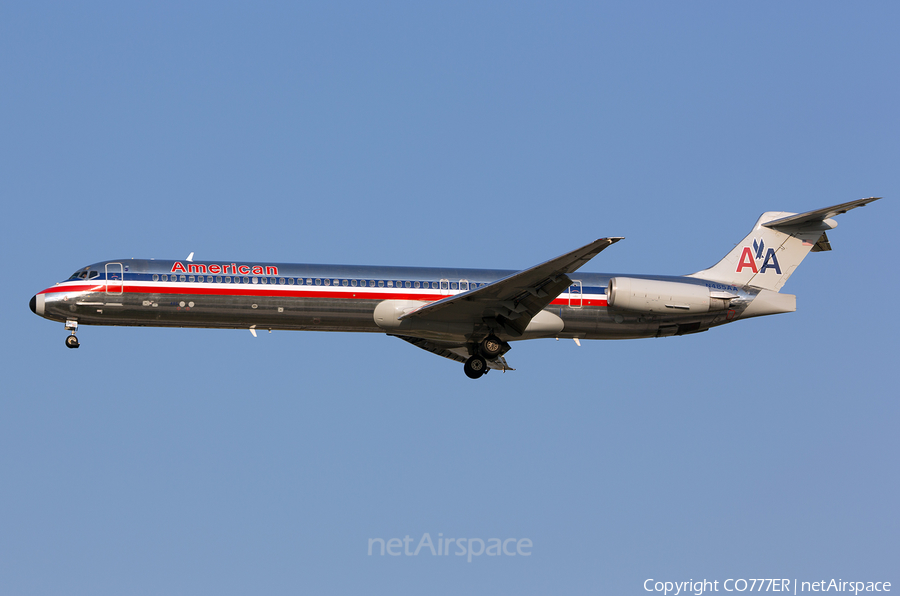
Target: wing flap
<point>454,352</point>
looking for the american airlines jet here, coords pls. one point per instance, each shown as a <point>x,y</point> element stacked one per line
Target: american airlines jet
<point>468,315</point>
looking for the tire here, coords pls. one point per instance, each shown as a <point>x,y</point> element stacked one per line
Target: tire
<point>72,342</point>
<point>475,367</point>
<point>491,346</point>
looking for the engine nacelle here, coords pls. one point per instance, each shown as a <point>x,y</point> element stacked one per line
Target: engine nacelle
<point>669,297</point>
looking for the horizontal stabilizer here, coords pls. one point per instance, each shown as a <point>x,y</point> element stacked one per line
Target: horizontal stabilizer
<point>776,245</point>
<point>802,219</point>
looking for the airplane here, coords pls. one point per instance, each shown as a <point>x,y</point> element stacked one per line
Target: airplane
<point>467,315</point>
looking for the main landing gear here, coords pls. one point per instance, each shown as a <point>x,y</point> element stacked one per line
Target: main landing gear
<point>72,340</point>
<point>475,366</point>
<point>488,349</point>
<point>491,346</point>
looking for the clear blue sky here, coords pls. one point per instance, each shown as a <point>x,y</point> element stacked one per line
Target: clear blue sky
<point>159,461</point>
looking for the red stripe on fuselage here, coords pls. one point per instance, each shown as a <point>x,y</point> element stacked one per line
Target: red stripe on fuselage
<point>80,288</point>
<point>261,291</point>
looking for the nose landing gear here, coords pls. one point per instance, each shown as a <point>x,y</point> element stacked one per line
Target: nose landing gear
<point>72,340</point>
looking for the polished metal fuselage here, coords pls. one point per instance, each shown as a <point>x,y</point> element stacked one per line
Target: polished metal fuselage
<point>133,292</point>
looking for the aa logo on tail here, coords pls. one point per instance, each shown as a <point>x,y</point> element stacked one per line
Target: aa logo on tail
<point>749,257</point>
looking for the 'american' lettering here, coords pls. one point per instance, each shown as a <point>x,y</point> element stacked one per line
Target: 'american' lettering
<point>233,269</point>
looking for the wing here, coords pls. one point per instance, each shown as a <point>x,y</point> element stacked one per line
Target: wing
<point>512,302</point>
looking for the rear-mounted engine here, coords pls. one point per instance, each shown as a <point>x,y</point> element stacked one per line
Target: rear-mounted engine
<point>652,296</point>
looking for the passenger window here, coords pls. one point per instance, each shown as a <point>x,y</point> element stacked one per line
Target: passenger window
<point>318,282</point>
<point>254,280</point>
<point>309,282</point>
<point>290,281</point>
<point>327,282</point>
<point>454,286</point>
<point>218,279</point>
<point>345,282</point>
<point>228,279</point>
<point>165,277</point>
<point>282,281</point>
<point>380,283</point>
<point>155,277</point>
<point>190,278</point>
<point>353,283</point>
<point>246,280</point>
<point>416,284</point>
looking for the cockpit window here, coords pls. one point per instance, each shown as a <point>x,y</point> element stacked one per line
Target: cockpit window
<point>80,274</point>
<point>94,274</point>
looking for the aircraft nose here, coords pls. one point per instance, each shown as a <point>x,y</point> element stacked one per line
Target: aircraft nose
<point>36,304</point>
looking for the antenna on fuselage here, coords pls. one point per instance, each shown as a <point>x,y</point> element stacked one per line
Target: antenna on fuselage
<point>190,257</point>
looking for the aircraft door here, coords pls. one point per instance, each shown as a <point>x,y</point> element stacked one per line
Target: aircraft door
<point>575,291</point>
<point>115,277</point>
